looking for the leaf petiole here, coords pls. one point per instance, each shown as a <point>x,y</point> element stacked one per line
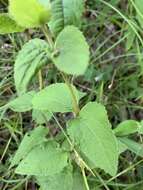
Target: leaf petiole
<point>84,178</point>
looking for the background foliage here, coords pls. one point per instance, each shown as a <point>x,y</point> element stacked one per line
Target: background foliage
<point>113,30</point>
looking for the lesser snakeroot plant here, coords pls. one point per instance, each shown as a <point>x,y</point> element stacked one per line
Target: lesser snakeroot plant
<point>87,141</point>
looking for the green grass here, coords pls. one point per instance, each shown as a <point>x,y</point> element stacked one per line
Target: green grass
<point>114,78</point>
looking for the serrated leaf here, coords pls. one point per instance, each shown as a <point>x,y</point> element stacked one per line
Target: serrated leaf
<point>41,117</point>
<point>65,12</point>
<point>43,160</point>
<point>22,103</point>
<point>92,133</point>
<point>30,140</point>
<point>55,98</point>
<point>60,181</point>
<point>30,13</point>
<point>132,146</point>
<point>126,128</point>
<point>73,51</point>
<point>30,59</point>
<point>8,25</point>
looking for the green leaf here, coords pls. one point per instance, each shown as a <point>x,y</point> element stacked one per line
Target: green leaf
<point>55,98</point>
<point>73,51</point>
<point>140,130</point>
<point>8,25</point>
<point>43,160</point>
<point>139,10</point>
<point>130,38</point>
<point>22,103</point>
<point>92,133</point>
<point>66,180</point>
<point>30,13</point>
<point>65,12</point>
<point>126,128</point>
<point>122,147</point>
<point>30,140</point>
<point>132,146</point>
<point>41,117</point>
<point>30,59</point>
<point>60,181</point>
<point>78,183</point>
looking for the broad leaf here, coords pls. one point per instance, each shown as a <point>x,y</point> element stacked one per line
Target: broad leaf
<point>126,128</point>
<point>55,98</point>
<point>73,51</point>
<point>41,117</point>
<point>30,59</point>
<point>60,181</point>
<point>43,160</point>
<point>92,133</point>
<point>30,140</point>
<point>22,103</point>
<point>65,12</point>
<point>8,25</point>
<point>30,13</point>
<point>132,146</point>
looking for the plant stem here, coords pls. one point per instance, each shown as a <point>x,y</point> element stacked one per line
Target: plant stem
<point>75,104</point>
<point>48,36</point>
<point>20,183</point>
<point>40,79</point>
<point>4,152</point>
<point>82,163</point>
<point>84,178</point>
<point>51,44</point>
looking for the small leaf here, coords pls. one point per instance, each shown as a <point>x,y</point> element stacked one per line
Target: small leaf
<point>126,128</point>
<point>60,181</point>
<point>41,117</point>
<point>8,25</point>
<point>92,133</point>
<point>73,57</point>
<point>22,103</point>
<point>65,12</point>
<point>30,140</point>
<point>55,98</point>
<point>30,13</point>
<point>30,59</point>
<point>132,146</point>
<point>43,160</point>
